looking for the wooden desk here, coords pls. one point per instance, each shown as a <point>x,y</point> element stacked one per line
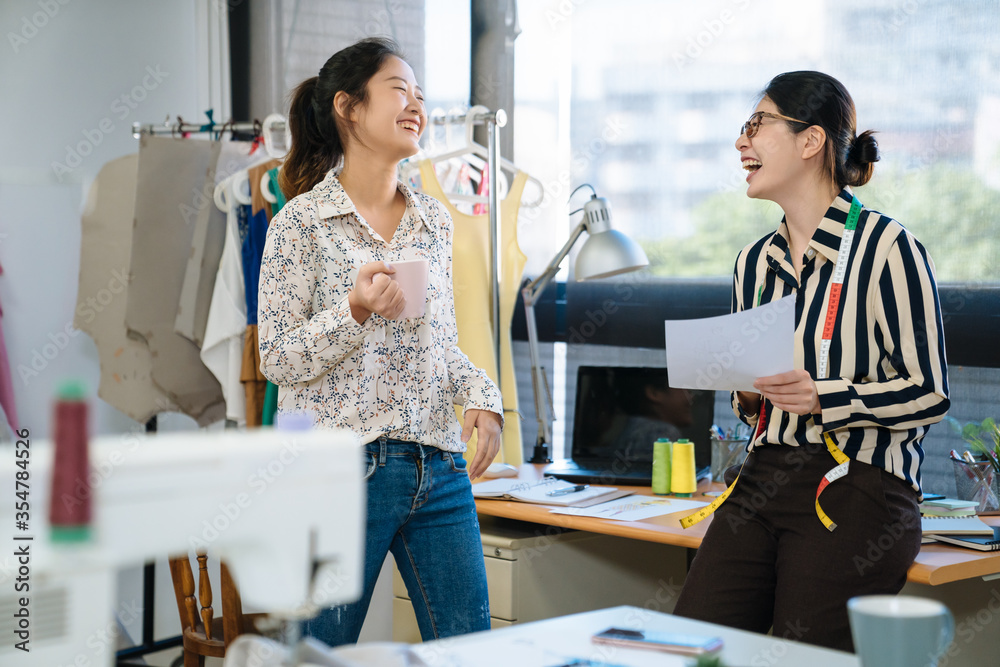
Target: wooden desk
<point>935,564</point>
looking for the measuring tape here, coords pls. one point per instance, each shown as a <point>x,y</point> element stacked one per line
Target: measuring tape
<point>843,462</point>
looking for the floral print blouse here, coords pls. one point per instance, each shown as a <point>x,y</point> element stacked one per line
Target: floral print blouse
<point>398,378</point>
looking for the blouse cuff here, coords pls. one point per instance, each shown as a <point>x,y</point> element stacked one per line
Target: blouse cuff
<point>834,402</point>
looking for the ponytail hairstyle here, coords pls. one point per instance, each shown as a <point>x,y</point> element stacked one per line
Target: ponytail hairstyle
<point>317,145</point>
<point>819,99</point>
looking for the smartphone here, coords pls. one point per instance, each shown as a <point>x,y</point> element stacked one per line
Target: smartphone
<point>661,641</point>
<point>933,496</point>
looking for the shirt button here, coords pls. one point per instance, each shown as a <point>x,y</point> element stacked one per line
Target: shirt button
<point>810,253</point>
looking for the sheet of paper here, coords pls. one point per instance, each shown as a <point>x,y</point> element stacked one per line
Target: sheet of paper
<point>729,352</point>
<point>633,508</point>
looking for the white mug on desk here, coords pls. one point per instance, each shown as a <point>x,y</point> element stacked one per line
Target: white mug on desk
<point>899,630</point>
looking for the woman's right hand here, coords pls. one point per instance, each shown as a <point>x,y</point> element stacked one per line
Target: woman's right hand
<point>375,292</point>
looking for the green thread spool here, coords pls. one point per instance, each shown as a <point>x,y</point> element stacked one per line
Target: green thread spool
<point>661,466</point>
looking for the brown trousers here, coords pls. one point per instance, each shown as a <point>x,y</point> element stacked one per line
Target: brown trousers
<point>767,560</point>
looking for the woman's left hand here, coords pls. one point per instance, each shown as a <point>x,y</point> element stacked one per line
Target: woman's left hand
<point>488,428</point>
<point>794,391</point>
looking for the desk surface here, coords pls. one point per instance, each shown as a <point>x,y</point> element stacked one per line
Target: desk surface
<point>563,640</point>
<point>935,564</point>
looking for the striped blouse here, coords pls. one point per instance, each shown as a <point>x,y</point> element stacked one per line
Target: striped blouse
<point>888,377</point>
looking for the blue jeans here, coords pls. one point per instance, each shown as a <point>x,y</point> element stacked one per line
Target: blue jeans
<point>420,507</point>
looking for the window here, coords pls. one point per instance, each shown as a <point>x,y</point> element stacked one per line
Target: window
<point>644,99</point>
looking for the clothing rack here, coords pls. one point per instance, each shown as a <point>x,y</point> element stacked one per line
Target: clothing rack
<point>493,120</point>
<point>182,127</point>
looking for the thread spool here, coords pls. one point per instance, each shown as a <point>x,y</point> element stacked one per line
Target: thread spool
<point>661,467</point>
<point>683,481</point>
<point>69,502</point>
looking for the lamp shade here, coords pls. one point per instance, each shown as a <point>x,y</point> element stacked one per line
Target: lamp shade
<point>606,252</point>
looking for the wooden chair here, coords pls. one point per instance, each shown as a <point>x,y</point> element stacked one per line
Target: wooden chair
<point>203,633</point>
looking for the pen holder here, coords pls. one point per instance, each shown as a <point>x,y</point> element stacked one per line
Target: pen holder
<point>725,454</point>
<point>982,488</point>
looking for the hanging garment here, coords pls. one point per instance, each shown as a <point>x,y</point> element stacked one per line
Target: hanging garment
<point>169,191</point>
<point>222,351</point>
<point>206,246</point>
<point>7,404</point>
<point>254,382</point>
<point>271,394</point>
<point>105,263</point>
<point>471,263</point>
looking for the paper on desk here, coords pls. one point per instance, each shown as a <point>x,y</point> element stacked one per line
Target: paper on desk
<point>729,352</point>
<point>633,508</point>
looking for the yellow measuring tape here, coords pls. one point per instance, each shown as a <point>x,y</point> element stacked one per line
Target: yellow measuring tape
<point>836,283</point>
<point>691,519</point>
<point>833,475</point>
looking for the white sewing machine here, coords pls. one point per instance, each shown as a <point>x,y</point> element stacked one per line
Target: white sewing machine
<point>268,502</point>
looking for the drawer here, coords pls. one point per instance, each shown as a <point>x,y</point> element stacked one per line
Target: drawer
<point>404,622</point>
<point>499,580</point>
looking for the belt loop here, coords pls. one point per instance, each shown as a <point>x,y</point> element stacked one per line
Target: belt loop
<point>382,449</point>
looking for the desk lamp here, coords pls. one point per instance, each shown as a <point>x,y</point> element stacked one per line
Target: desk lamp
<point>605,253</point>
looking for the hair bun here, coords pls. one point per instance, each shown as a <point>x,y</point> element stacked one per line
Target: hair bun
<point>864,149</point>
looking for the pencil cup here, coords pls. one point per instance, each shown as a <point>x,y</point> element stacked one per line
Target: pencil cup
<point>977,482</point>
<point>726,453</point>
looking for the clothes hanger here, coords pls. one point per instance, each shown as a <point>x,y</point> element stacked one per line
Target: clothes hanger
<point>476,155</point>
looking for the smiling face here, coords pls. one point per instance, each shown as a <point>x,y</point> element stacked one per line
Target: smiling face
<point>392,120</point>
<point>772,157</point>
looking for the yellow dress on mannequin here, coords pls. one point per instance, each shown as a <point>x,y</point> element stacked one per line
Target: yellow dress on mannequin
<point>473,298</point>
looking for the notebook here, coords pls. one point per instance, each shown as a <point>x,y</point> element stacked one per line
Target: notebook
<point>954,525</point>
<point>619,413</point>
<point>979,542</point>
<point>549,491</point>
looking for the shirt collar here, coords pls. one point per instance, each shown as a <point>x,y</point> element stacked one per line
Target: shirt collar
<point>826,239</point>
<point>331,200</point>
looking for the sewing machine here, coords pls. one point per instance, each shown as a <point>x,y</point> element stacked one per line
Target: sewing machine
<point>268,502</point>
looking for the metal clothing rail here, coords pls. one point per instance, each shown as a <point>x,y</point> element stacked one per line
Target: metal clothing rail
<point>493,120</point>
<point>182,127</point>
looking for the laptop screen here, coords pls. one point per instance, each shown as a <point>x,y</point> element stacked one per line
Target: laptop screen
<point>621,411</point>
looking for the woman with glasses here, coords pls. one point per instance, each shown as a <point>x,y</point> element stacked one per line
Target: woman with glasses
<point>825,507</point>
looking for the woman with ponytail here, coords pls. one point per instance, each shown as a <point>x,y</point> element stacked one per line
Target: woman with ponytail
<point>334,339</point>
<point>795,540</point>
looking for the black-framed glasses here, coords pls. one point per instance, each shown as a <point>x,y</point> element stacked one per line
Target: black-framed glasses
<point>752,125</point>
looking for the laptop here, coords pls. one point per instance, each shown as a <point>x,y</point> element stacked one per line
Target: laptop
<point>620,412</point>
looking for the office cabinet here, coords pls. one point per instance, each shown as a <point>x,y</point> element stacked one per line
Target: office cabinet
<point>536,572</point>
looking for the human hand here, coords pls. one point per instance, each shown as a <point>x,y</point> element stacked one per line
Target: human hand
<point>794,391</point>
<point>375,292</point>
<point>487,425</point>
